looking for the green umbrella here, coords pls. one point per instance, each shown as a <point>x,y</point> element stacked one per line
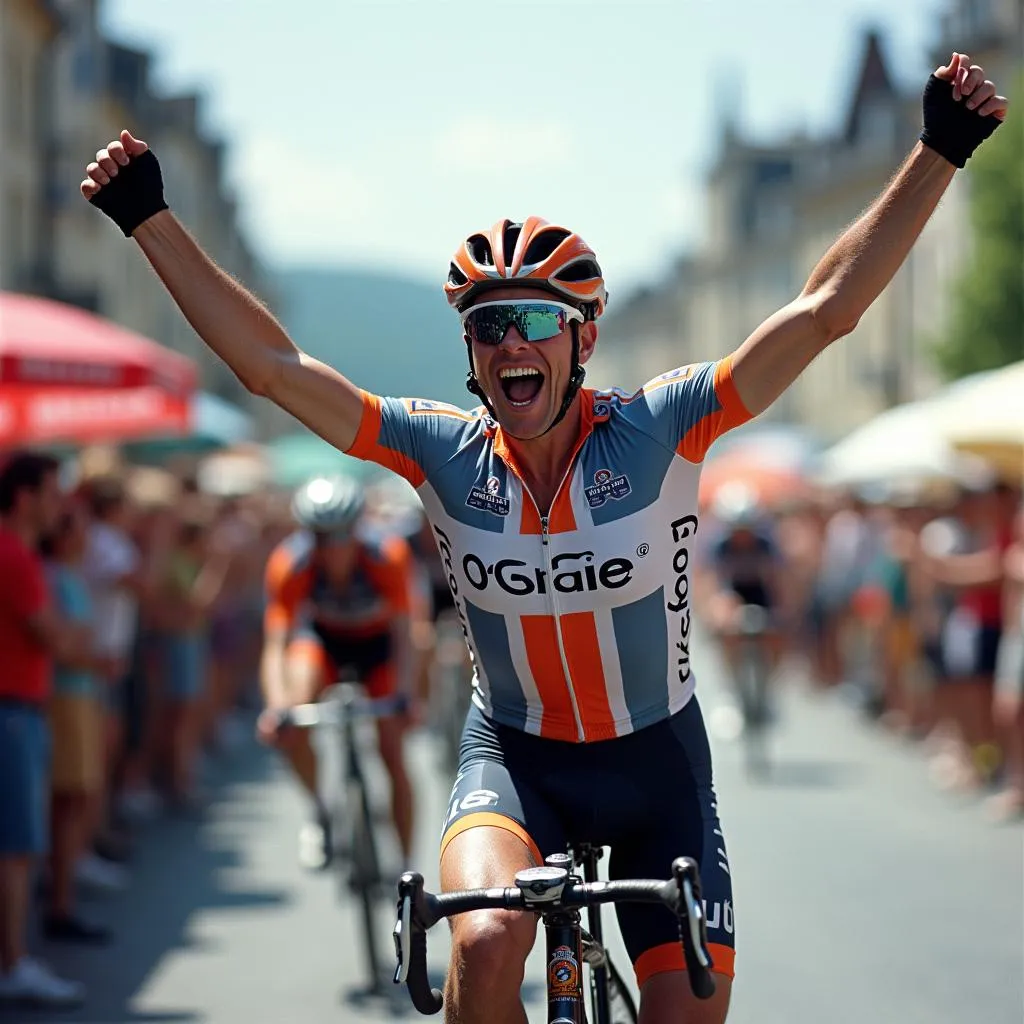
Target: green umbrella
<point>295,458</point>
<point>215,423</point>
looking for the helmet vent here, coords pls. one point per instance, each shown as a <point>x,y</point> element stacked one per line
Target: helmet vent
<point>581,270</point>
<point>456,277</point>
<point>543,245</point>
<point>480,249</point>
<point>508,240</point>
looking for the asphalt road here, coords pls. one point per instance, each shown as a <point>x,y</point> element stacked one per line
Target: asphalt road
<point>861,894</point>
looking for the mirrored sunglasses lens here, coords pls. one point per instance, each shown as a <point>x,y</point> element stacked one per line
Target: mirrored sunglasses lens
<point>539,323</point>
<point>488,325</point>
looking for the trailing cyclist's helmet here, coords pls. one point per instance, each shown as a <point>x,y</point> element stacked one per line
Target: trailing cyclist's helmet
<point>328,504</point>
<point>737,506</point>
<point>534,254</point>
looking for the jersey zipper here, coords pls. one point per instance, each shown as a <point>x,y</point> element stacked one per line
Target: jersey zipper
<point>549,576</point>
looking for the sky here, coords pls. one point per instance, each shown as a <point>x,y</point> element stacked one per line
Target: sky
<point>381,133</point>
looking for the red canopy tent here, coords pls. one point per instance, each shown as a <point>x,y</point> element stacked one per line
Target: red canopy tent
<point>69,375</point>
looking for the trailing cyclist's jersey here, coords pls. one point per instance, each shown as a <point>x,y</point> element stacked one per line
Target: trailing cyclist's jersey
<point>297,596</point>
<point>579,621</point>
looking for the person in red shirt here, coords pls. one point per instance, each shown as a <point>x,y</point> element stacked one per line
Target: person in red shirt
<point>977,577</point>
<point>336,601</point>
<point>30,636</point>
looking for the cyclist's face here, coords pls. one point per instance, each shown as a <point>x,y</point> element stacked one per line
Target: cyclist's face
<point>526,410</point>
<point>337,558</point>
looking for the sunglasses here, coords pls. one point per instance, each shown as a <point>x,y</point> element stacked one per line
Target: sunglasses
<point>488,322</point>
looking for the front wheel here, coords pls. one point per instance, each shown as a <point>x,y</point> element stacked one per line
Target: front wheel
<point>365,877</point>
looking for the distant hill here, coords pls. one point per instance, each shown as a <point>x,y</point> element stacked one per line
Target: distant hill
<point>390,335</point>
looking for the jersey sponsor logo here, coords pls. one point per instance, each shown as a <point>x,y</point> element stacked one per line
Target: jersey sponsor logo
<point>680,373</point>
<point>679,600</point>
<point>444,547</point>
<point>488,498</point>
<point>719,915</point>
<point>563,974</point>
<point>607,486</point>
<point>421,406</point>
<point>572,572</point>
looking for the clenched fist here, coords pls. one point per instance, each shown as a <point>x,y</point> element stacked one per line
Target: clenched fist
<point>124,181</point>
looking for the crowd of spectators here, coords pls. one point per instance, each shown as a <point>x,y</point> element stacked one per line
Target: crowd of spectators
<point>130,607</point>
<point>912,598</point>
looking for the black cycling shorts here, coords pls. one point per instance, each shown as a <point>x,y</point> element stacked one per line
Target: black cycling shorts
<point>649,796</point>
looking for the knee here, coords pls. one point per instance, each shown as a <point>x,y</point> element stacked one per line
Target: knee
<point>489,949</point>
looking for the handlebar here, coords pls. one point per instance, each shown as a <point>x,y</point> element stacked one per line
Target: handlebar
<point>345,701</point>
<point>546,890</point>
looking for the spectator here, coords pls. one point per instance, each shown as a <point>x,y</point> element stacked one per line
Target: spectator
<point>193,579</point>
<point>30,636</point>
<point>77,726</point>
<point>117,578</point>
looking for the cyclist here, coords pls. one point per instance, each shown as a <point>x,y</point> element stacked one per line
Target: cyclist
<point>565,519</point>
<point>336,602</point>
<point>745,570</point>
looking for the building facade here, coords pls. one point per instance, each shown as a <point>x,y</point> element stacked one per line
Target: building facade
<point>773,211</point>
<point>64,91</point>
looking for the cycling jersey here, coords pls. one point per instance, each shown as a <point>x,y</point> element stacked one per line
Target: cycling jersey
<point>346,621</point>
<point>578,621</point>
<point>748,568</point>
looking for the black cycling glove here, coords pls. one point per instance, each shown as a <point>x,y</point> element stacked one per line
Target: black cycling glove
<point>950,127</point>
<point>134,195</point>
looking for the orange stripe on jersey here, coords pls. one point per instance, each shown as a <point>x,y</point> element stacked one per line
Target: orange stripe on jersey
<point>541,642</point>
<point>286,585</point>
<point>699,438</point>
<point>367,444</point>
<point>583,653</point>
<point>561,519</point>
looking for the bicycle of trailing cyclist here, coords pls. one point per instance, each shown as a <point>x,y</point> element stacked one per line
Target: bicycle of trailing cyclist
<point>752,680</point>
<point>557,895</point>
<point>343,706</point>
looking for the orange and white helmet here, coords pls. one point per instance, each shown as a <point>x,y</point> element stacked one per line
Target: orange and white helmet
<point>533,253</point>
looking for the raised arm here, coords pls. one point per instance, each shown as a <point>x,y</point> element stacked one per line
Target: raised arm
<point>125,182</point>
<point>961,110</point>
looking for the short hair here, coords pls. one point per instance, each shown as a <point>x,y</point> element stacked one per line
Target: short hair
<point>105,493</point>
<point>24,471</point>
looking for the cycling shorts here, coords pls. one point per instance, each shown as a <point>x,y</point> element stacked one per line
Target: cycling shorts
<point>367,659</point>
<point>648,795</point>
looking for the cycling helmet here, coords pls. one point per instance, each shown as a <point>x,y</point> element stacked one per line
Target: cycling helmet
<point>328,504</point>
<point>736,505</point>
<point>534,254</point>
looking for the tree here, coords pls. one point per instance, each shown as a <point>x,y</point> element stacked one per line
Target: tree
<point>986,323</point>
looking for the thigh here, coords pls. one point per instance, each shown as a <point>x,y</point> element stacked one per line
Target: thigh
<point>496,787</point>
<point>681,816</point>
<point>308,668</point>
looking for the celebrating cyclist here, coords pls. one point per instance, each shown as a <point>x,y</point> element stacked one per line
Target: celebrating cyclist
<point>336,603</point>
<point>566,520</point>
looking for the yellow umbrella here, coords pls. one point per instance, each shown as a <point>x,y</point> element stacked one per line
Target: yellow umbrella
<point>987,419</point>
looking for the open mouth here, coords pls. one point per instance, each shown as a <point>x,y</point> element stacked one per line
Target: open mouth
<point>520,384</point>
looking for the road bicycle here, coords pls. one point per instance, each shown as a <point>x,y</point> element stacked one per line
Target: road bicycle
<point>556,895</point>
<point>352,817</point>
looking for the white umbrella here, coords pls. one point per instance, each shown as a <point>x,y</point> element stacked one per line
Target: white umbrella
<point>904,443</point>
